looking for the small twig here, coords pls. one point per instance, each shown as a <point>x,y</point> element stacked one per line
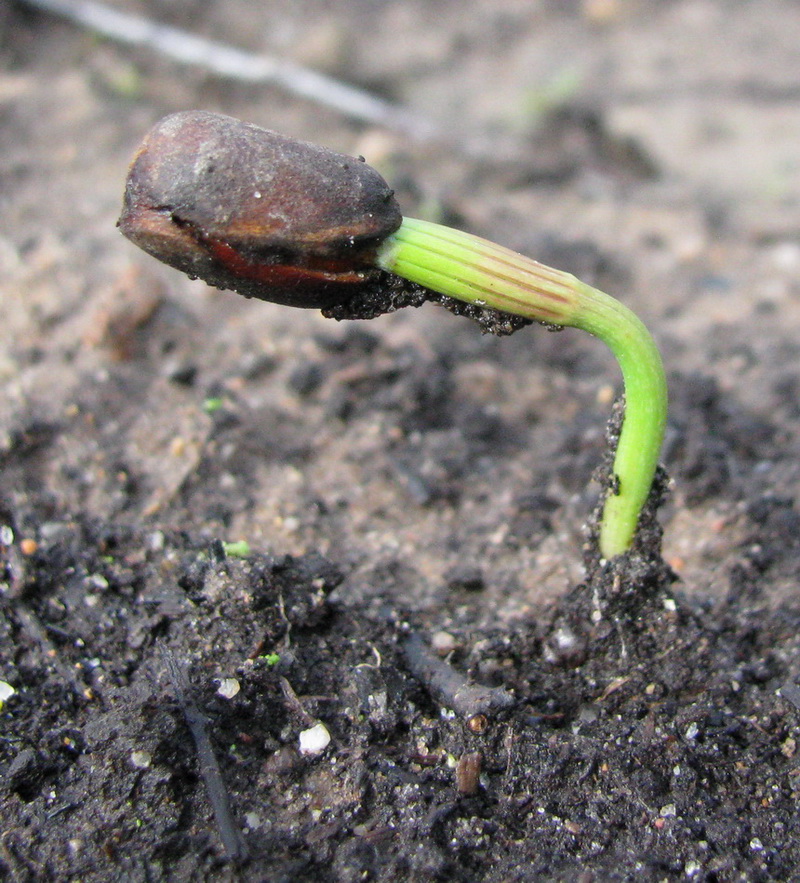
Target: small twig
<point>293,701</point>
<point>209,768</point>
<point>248,67</point>
<point>449,687</point>
<point>228,61</point>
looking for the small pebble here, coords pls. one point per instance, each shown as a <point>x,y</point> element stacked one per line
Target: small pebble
<point>252,820</point>
<point>156,541</point>
<point>468,773</point>
<point>228,688</point>
<point>141,759</point>
<point>6,692</point>
<point>478,724</point>
<point>443,643</point>
<point>314,740</point>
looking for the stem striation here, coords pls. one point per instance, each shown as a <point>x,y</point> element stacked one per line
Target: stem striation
<point>472,269</point>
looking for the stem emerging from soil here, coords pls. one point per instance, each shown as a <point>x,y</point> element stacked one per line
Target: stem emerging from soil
<point>474,270</point>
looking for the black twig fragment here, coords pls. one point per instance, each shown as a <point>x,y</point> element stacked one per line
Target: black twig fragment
<point>449,686</point>
<point>209,768</point>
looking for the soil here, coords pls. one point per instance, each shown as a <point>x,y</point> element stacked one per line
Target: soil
<point>419,585</point>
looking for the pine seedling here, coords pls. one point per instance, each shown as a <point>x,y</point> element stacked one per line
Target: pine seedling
<point>290,222</point>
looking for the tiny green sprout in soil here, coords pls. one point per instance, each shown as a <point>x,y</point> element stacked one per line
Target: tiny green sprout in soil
<point>290,222</point>
<point>211,406</point>
<point>239,549</point>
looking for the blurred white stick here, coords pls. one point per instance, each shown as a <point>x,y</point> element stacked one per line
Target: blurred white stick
<point>227,61</point>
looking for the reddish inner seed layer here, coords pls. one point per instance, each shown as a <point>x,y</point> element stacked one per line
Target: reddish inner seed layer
<point>280,274</point>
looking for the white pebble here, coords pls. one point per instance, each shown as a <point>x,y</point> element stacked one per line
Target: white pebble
<point>228,688</point>
<point>443,643</point>
<point>6,692</point>
<point>314,740</point>
<point>141,759</point>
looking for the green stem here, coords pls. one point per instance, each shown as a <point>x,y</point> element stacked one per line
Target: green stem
<point>477,271</point>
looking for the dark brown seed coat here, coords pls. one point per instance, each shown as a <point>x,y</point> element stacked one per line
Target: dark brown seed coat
<point>255,211</point>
